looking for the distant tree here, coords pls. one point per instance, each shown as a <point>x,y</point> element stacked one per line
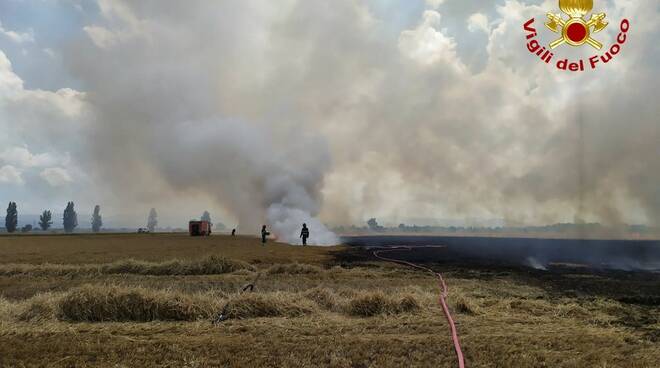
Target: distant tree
<point>11,220</point>
<point>206,216</point>
<point>45,220</point>
<point>373,225</point>
<point>26,229</point>
<point>70,220</point>
<point>152,221</point>
<point>97,221</point>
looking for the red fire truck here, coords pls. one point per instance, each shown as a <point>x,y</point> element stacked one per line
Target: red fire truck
<point>199,228</point>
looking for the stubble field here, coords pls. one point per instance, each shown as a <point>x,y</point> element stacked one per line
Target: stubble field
<point>128,300</point>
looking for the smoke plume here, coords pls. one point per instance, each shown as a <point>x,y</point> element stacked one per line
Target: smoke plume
<point>265,109</point>
<point>294,111</point>
<point>169,116</point>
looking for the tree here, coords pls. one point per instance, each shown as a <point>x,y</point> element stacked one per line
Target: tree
<point>45,220</point>
<point>97,220</point>
<point>11,221</point>
<point>70,220</point>
<point>206,216</point>
<point>373,225</point>
<point>152,221</point>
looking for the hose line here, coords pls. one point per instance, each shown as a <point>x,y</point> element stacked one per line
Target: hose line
<point>443,292</point>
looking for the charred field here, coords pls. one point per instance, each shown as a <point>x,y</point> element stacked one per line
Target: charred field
<point>150,300</point>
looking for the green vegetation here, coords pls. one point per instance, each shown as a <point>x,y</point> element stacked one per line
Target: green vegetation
<point>70,220</point>
<point>11,219</point>
<point>45,220</point>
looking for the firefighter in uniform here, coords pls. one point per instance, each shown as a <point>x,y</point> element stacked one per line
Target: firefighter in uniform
<point>264,234</point>
<point>304,234</point>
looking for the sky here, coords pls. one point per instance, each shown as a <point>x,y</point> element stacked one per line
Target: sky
<point>287,111</point>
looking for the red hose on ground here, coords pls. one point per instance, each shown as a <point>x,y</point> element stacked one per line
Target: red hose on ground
<point>443,295</point>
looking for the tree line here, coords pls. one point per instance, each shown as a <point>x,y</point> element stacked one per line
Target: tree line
<point>558,228</point>
<point>70,219</point>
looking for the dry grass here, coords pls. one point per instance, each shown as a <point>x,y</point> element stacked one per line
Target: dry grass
<point>306,311</point>
<point>108,248</point>
<point>464,305</point>
<point>323,297</point>
<point>117,304</point>
<point>375,303</point>
<point>252,305</point>
<point>40,308</point>
<point>211,265</point>
<point>294,269</point>
<point>6,309</point>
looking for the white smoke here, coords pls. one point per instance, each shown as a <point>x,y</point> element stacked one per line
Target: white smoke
<point>255,178</point>
<point>534,263</point>
<point>266,108</point>
<point>286,223</point>
<point>178,121</point>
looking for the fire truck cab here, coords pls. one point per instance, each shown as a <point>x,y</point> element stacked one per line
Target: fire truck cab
<point>199,228</point>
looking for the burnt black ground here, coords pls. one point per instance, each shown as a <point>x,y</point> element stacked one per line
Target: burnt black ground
<point>625,255</point>
<point>580,269</point>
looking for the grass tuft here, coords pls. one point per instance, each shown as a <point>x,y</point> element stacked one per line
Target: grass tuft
<point>211,265</point>
<point>252,305</point>
<point>374,303</point>
<point>6,309</point>
<point>118,304</point>
<point>323,297</point>
<point>41,307</point>
<point>408,304</point>
<point>294,269</point>
<point>464,305</point>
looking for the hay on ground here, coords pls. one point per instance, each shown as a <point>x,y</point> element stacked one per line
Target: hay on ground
<point>252,305</point>
<point>114,303</point>
<point>212,265</point>
<point>294,269</point>
<point>375,303</point>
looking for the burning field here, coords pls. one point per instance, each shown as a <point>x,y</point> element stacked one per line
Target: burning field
<point>154,300</point>
<point>306,119</point>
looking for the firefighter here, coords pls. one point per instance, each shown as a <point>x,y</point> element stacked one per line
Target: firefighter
<point>304,234</point>
<point>264,234</point>
<point>233,232</point>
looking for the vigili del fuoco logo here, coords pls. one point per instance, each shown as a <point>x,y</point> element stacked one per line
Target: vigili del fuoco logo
<point>575,31</point>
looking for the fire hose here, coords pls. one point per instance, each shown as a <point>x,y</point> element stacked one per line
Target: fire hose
<point>223,316</point>
<point>443,293</point>
<point>441,282</point>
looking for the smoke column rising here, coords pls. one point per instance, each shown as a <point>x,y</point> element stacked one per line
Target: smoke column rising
<point>166,123</point>
<point>283,112</point>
